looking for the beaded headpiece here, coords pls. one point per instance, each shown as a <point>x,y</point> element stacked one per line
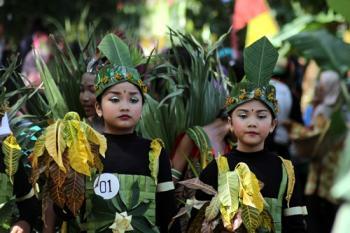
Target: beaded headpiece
<point>110,75</point>
<point>259,61</point>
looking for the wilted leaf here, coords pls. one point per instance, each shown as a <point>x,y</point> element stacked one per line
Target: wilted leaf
<point>57,176</point>
<point>266,221</point>
<point>74,189</point>
<point>56,194</point>
<point>196,224</point>
<point>197,184</point>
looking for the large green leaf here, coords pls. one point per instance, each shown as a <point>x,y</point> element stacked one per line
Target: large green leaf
<point>57,104</point>
<point>259,61</point>
<point>341,6</point>
<point>116,50</point>
<point>341,224</point>
<point>328,51</point>
<point>341,189</point>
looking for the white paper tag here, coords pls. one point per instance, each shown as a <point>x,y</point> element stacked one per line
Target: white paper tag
<point>106,185</point>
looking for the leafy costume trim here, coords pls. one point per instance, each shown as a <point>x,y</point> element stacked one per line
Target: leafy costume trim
<point>291,178</point>
<point>135,201</point>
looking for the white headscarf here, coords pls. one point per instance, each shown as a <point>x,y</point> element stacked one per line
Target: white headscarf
<point>330,84</point>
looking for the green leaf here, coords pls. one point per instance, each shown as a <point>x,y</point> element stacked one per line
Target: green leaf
<point>341,6</point>
<point>250,217</point>
<point>341,224</point>
<point>141,224</point>
<point>328,51</point>
<point>197,184</point>
<point>57,104</point>
<point>135,195</point>
<point>115,50</point>
<point>213,209</point>
<point>140,209</point>
<point>266,221</point>
<point>259,61</point>
<point>341,189</point>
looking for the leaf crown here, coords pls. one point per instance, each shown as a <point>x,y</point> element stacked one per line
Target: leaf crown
<point>119,66</point>
<point>259,61</point>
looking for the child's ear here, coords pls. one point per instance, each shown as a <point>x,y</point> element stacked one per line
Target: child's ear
<point>98,109</point>
<point>273,125</point>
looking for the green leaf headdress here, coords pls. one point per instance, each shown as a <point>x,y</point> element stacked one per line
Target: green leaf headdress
<point>259,61</point>
<point>120,69</point>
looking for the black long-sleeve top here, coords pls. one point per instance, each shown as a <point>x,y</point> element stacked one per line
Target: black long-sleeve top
<point>267,167</point>
<point>129,154</point>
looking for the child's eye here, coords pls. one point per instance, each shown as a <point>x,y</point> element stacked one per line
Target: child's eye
<point>262,116</point>
<point>243,116</point>
<point>114,99</point>
<point>134,100</point>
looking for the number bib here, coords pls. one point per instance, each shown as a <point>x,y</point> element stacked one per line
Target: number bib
<point>106,185</point>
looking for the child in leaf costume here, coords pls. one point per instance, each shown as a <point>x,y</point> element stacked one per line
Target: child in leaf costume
<point>255,188</point>
<point>134,191</point>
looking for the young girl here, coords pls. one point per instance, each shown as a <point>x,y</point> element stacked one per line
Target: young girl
<point>138,166</point>
<point>87,99</point>
<point>252,109</point>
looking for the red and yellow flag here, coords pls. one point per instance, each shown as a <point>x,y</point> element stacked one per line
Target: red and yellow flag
<point>256,15</point>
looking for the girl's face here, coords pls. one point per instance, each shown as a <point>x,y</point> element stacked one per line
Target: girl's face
<point>87,94</point>
<point>251,123</point>
<point>121,108</point>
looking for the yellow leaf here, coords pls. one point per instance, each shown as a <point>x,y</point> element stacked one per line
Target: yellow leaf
<point>12,153</point>
<point>213,209</point>
<point>80,156</point>
<point>38,150</point>
<point>249,189</point>
<point>228,194</point>
<point>154,153</point>
<point>291,178</point>
<point>222,164</point>
<point>54,143</point>
<point>226,218</point>
<point>96,138</point>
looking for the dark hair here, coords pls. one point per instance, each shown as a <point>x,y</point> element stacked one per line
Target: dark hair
<point>223,115</point>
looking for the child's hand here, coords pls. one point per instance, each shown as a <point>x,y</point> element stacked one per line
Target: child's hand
<point>20,227</point>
